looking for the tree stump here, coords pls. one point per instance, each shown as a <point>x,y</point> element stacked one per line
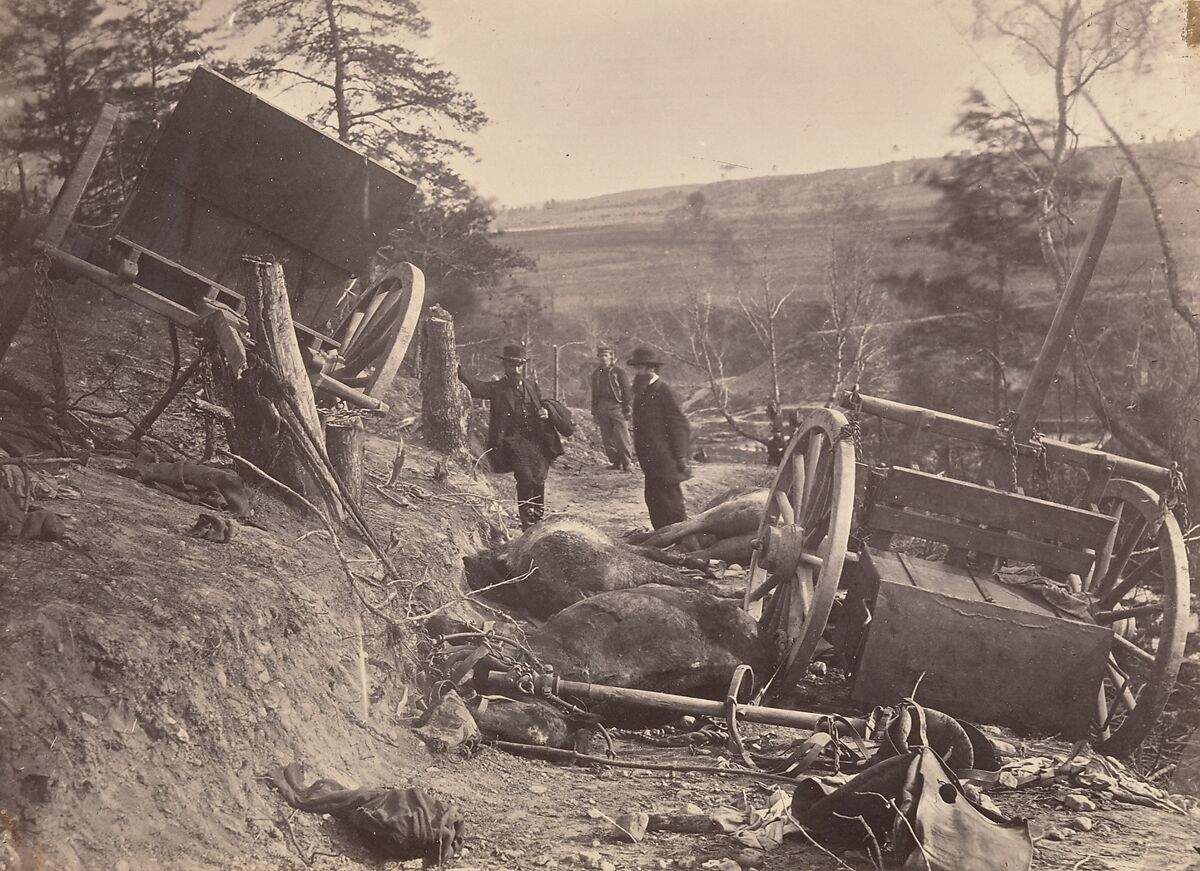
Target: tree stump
<point>443,405</point>
<point>275,421</point>
<point>346,442</point>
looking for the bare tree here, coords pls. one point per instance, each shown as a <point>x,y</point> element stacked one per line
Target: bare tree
<point>760,289</point>
<point>1075,40</point>
<point>855,298</point>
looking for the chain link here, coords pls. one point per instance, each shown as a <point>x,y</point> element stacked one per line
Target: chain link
<point>1173,497</point>
<point>1041,469</point>
<point>1006,427</point>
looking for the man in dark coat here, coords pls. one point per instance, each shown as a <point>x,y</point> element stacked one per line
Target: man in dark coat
<point>517,438</point>
<point>612,406</point>
<point>661,437</point>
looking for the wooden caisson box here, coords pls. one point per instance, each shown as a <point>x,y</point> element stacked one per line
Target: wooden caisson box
<point>982,650</point>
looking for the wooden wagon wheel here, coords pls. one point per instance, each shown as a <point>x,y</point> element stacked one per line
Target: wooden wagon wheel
<point>801,544</point>
<point>377,332</point>
<point>1140,588</point>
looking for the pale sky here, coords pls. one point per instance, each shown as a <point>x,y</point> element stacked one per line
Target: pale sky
<point>595,96</point>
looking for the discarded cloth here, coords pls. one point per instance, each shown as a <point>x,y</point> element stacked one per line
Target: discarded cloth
<point>1054,593</point>
<point>401,824</point>
<point>915,804</point>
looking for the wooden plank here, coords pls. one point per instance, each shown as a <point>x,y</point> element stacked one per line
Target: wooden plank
<point>972,503</point>
<point>921,423</point>
<point>980,540</point>
<point>76,183</point>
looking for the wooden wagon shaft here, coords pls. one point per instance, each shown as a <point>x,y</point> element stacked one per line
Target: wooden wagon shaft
<point>682,704</point>
<point>75,184</point>
<point>1048,358</point>
<point>189,319</point>
<point>987,435</point>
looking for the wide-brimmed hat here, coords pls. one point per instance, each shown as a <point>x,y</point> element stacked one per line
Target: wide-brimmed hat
<point>513,353</point>
<point>644,356</point>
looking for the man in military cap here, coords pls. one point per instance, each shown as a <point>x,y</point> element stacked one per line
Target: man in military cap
<point>516,436</point>
<point>612,407</point>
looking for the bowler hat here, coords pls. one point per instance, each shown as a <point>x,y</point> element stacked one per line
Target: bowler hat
<point>644,356</point>
<point>514,353</point>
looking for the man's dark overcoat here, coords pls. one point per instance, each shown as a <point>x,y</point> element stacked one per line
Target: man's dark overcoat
<point>504,417</point>
<point>661,434</point>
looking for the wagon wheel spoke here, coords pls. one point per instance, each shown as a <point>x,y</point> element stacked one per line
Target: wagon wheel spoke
<point>787,515</point>
<point>1120,558</point>
<point>1141,592</point>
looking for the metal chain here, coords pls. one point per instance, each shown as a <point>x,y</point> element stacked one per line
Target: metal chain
<point>852,431</point>
<point>1006,427</point>
<point>1174,496</point>
<point>1041,476</point>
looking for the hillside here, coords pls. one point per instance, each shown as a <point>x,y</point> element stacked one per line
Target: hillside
<point>611,250</point>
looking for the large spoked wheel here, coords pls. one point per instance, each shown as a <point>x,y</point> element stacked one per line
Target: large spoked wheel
<point>1140,589</point>
<point>801,544</point>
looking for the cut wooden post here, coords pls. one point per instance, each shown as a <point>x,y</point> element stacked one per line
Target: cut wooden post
<point>443,407</point>
<point>276,425</point>
<point>347,445</point>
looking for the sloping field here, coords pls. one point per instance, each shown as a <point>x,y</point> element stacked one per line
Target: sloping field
<point>614,250</point>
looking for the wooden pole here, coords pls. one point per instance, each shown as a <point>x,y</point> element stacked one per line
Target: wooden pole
<point>346,442</point>
<point>72,190</point>
<point>274,412</point>
<point>1046,366</point>
<point>443,407</point>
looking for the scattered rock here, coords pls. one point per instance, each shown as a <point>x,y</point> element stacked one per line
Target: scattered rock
<point>538,789</point>
<point>88,718</point>
<point>631,827</point>
<point>122,865</point>
<point>1056,835</point>
<point>1079,803</point>
<point>448,725</point>
<point>591,859</point>
<point>693,810</point>
<point>594,814</point>
<point>751,859</point>
<point>1083,824</point>
<point>819,669</point>
<point>722,865</point>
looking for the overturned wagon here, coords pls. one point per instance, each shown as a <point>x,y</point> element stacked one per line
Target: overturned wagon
<point>231,176</point>
<point>1068,618</point>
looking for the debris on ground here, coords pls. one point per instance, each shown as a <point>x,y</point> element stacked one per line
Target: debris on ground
<point>400,824</point>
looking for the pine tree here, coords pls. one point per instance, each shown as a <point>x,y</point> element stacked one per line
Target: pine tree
<point>356,63</point>
<point>60,53</point>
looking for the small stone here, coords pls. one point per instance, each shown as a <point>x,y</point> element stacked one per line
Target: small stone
<point>751,859</point>
<point>594,814</point>
<point>631,827</point>
<point>88,718</point>
<point>595,842</point>
<point>538,789</point>
<point>264,676</point>
<point>1056,835</point>
<point>819,669</point>
<point>607,866</point>
<point>591,859</point>
<point>122,865</point>
<point>722,865</point>
<point>1079,803</point>
<point>1003,748</point>
<point>693,809</point>
<point>1083,824</point>
<point>221,678</point>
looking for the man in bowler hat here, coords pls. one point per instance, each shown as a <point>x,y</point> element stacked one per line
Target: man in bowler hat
<point>612,406</point>
<point>661,437</point>
<point>516,437</point>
